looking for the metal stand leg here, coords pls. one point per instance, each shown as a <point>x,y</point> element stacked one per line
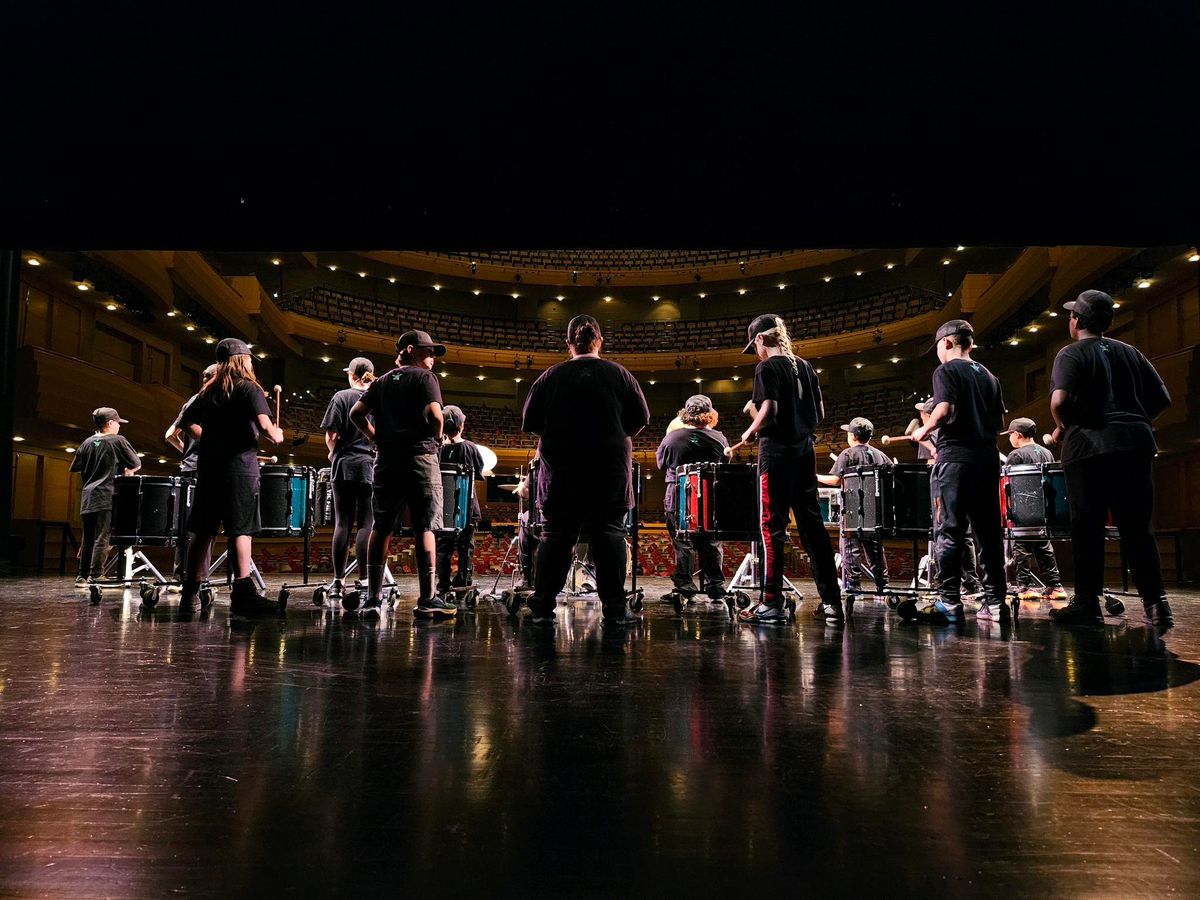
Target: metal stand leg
<point>223,560</point>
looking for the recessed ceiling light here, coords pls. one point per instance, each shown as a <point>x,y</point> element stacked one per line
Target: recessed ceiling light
<point>275,261</point>
<point>1014,342</point>
<point>703,295</point>
<point>82,286</point>
<point>391,279</point>
<point>737,377</point>
<point>1194,256</point>
<point>895,359</point>
<point>655,298</point>
<point>828,278</point>
<point>476,292</point>
<point>480,377</point>
<point>210,340</point>
<point>33,261</point>
<point>275,295</point>
<point>560,297</point>
<point>945,262</point>
<point>891,265</point>
<point>69,449</point>
<point>437,287</point>
<point>515,295</point>
<point>697,380</point>
<point>608,299</point>
<point>517,380</point>
<point>1116,304</point>
<point>332,267</point>
<point>326,359</point>
<point>171,313</point>
<point>1053,314</point>
<point>18,438</point>
<point>741,291</point>
<point>111,307</point>
<point>960,248</point>
<point>443,373</point>
<point>162,459</point>
<point>190,327</point>
<point>819,371</point>
<point>362,274</point>
<point>781,286</point>
<point>652,381</point>
<point>858,271</point>
<point>1144,283</point>
<point>858,365</point>
<point>1033,329</point>
<point>262,356</point>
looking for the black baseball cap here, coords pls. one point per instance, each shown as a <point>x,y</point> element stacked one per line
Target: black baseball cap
<point>925,406</point>
<point>231,347</point>
<point>417,338</point>
<point>1094,305</point>
<point>1022,426</point>
<point>360,366</point>
<point>106,414</point>
<point>953,328</point>
<point>762,324</point>
<point>454,418</point>
<point>860,427</point>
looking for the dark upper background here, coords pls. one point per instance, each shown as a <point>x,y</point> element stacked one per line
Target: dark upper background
<point>599,124</point>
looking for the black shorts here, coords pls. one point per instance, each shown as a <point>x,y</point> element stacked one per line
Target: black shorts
<point>415,484</point>
<point>231,500</point>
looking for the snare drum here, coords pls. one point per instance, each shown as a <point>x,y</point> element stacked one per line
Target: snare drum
<point>831,505</point>
<point>283,500</point>
<point>150,510</point>
<point>887,501</point>
<point>719,501</point>
<point>323,509</point>
<point>457,484</point>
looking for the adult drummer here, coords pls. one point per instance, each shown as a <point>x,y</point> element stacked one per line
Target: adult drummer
<point>352,462</point>
<point>859,432</point>
<point>695,442</point>
<point>181,439</point>
<point>586,412</point>
<point>1028,452</point>
<point>99,460</point>
<point>1104,395</point>
<point>964,484</point>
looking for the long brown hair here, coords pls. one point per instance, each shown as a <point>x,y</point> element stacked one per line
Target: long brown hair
<point>237,367</point>
<point>585,338</point>
<point>702,420</point>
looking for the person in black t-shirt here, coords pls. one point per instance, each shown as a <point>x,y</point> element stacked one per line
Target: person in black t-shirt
<point>463,452</point>
<point>696,441</point>
<point>965,481</point>
<point>402,413</point>
<point>1028,452</point>
<point>181,439</point>
<point>227,418</point>
<point>99,460</point>
<point>853,548</point>
<point>787,407</point>
<point>352,459</point>
<point>585,411</point>
<point>1104,395</point>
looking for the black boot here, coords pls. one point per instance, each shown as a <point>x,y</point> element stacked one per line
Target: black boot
<point>1158,613</point>
<point>245,600</point>
<point>1079,613</point>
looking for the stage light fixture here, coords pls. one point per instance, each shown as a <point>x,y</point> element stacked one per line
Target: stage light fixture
<point>608,299</point>
<point>1013,342</point>
<point>517,380</point>
<point>326,359</point>
<point>895,359</point>
<point>736,377</point>
<point>111,307</point>
<point>275,294</point>
<point>652,381</point>
<point>1116,304</point>
<point>480,377</point>
<point>1033,329</point>
<point>262,356</point>
<point>655,298</point>
<point>443,373</point>
<point>69,449</point>
<point>819,371</point>
<point>697,380</point>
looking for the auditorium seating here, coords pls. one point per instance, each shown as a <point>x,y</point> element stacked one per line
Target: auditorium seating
<point>588,261</point>
<point>677,336</point>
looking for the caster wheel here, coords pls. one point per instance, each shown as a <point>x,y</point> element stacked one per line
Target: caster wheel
<point>790,605</point>
<point>512,603</point>
<point>351,600</point>
<point>144,591</point>
<point>207,595</point>
<point>319,596</point>
<point>677,604</point>
<point>742,599</point>
<point>393,597</point>
<point>892,601</point>
<point>284,593</point>
<point>471,599</point>
<point>1113,606</point>
<point>95,594</point>
<point>637,603</point>
<point>150,597</point>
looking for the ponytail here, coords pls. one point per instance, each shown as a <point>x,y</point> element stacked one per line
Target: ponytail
<point>778,336</point>
<point>584,338</point>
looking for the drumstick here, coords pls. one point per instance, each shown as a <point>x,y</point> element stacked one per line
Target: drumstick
<point>278,394</point>
<point>729,451</point>
<point>1048,439</point>
<point>887,439</point>
<point>833,456</point>
<point>268,459</point>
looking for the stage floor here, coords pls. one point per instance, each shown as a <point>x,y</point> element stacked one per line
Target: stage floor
<point>144,755</point>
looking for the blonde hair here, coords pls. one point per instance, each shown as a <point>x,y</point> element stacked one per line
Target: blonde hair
<point>779,337</point>
<point>235,368</point>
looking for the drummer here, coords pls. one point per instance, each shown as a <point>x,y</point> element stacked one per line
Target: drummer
<point>227,418</point>
<point>860,453</point>
<point>458,450</point>
<point>99,460</point>
<point>696,441</point>
<point>352,459</point>
<point>1028,452</point>
<point>181,440</point>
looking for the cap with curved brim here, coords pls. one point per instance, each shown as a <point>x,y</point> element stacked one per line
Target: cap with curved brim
<point>950,329</point>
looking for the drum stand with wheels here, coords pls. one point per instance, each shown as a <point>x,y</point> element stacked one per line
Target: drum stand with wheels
<point>223,560</point>
<point>351,599</point>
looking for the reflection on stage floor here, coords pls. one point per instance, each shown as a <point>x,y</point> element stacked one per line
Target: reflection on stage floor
<point>147,754</point>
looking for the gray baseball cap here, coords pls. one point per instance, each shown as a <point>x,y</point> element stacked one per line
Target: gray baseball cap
<point>859,427</point>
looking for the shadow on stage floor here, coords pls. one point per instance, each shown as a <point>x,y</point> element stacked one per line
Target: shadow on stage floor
<point>145,754</point>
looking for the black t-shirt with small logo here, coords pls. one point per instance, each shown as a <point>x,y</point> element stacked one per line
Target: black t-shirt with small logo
<point>687,445</point>
<point>1115,394</point>
<point>797,395</point>
<point>970,433</point>
<point>99,460</point>
<point>229,429</point>
<point>353,455</point>
<point>858,455</point>
<point>1030,455</point>
<point>397,403</point>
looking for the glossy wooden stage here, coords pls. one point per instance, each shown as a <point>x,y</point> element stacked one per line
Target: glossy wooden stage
<point>146,756</point>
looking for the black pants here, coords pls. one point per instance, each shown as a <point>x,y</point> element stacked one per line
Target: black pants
<point>527,544</point>
<point>855,551</point>
<point>1124,484</point>
<point>967,495</point>
<point>351,503</point>
<point>709,553</point>
<point>1025,551</point>
<point>463,544</point>
<point>96,526</point>
<point>606,533</point>
<point>790,486</point>
<point>970,566</point>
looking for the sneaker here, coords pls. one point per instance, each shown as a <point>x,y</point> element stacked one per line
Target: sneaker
<point>542,618</point>
<point>80,581</point>
<point>337,589</point>
<point>1056,595</point>
<point>587,587</point>
<point>245,600</point>
<point>1079,613</point>
<point>373,606</point>
<point>1028,593</point>
<point>436,608</point>
<point>1158,613</point>
<point>972,596</point>
<point>764,614</point>
<point>831,613</point>
<point>619,616</point>
<point>990,612</point>
<point>940,612</point>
